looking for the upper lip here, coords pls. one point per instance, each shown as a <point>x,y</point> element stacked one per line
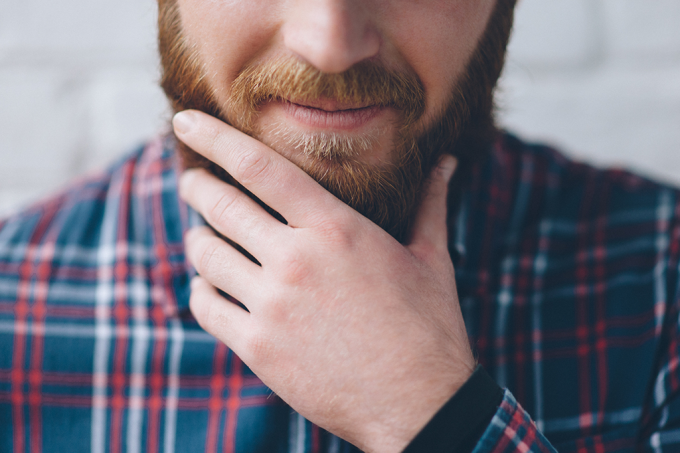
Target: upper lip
<point>328,105</point>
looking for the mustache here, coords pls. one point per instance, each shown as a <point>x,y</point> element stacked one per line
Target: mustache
<point>288,78</point>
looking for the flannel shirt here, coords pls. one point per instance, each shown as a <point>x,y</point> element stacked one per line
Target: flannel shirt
<point>567,278</point>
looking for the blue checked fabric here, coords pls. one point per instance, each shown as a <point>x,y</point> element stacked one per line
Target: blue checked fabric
<point>567,277</point>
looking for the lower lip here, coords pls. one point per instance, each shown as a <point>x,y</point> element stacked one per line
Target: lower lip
<point>337,120</point>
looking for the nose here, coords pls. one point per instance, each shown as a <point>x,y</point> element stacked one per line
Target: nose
<point>331,35</point>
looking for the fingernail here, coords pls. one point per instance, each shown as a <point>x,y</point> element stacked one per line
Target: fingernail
<point>448,165</point>
<point>183,122</point>
<point>195,281</point>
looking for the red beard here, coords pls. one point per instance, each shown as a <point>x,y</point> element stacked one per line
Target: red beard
<point>387,195</point>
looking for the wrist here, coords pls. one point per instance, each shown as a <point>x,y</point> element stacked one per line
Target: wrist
<point>461,422</point>
<point>408,415</point>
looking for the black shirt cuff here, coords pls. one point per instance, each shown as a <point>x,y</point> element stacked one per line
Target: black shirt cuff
<point>461,422</point>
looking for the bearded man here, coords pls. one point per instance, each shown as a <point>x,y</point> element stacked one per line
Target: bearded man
<point>355,294</point>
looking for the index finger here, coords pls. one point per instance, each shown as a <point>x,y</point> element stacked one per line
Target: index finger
<point>271,177</point>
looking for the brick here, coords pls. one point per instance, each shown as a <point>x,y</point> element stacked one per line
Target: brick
<point>555,34</point>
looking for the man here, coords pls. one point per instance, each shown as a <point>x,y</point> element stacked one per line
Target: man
<point>335,258</point>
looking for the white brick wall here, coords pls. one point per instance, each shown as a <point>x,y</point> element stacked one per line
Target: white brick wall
<point>600,79</point>
<point>78,85</point>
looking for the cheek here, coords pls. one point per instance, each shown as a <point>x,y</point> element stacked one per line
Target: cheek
<point>437,39</point>
<point>227,34</point>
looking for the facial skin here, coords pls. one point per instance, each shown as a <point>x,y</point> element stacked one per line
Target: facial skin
<point>383,153</point>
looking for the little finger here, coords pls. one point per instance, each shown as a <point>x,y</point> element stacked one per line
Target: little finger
<point>221,318</point>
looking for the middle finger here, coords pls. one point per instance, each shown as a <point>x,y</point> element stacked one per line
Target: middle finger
<point>231,212</point>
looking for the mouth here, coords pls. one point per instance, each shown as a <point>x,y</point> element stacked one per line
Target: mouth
<point>328,105</point>
<point>327,114</point>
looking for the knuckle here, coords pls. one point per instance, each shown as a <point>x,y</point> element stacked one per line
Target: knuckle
<point>340,233</point>
<point>216,319</point>
<point>221,210</point>
<point>279,308</point>
<point>429,254</point>
<point>205,311</point>
<point>427,251</point>
<point>252,167</point>
<point>209,256</point>
<point>211,136</point>
<point>294,269</point>
<point>260,347</point>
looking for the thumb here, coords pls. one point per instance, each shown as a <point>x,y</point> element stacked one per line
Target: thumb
<point>429,229</point>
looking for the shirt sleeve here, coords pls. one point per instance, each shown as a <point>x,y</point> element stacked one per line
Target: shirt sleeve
<point>459,424</point>
<point>512,430</point>
<point>483,418</point>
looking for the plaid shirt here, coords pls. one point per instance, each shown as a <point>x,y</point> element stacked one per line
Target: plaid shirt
<point>567,276</point>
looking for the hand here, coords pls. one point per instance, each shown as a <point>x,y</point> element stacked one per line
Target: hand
<point>357,332</point>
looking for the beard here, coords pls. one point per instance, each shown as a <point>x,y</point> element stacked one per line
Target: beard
<point>387,193</point>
